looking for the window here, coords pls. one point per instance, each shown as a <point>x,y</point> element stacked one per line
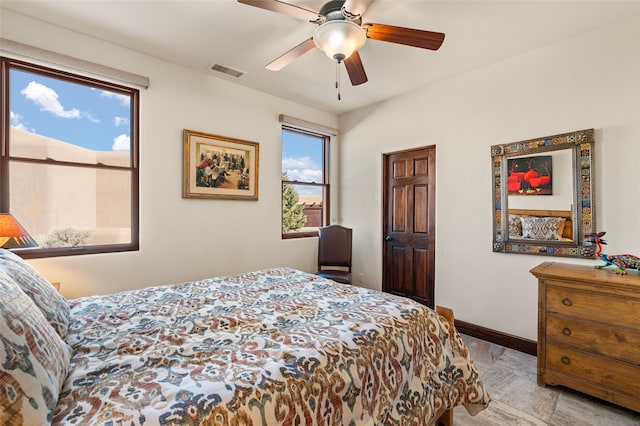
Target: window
<point>305,182</point>
<point>69,160</point>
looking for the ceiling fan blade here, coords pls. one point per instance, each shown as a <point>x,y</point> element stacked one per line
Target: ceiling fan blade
<point>407,36</point>
<point>356,7</point>
<point>282,7</point>
<point>293,54</point>
<point>355,69</point>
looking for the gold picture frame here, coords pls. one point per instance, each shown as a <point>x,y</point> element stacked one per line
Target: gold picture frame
<point>219,167</point>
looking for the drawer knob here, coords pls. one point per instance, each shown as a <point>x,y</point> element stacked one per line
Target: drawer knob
<point>566,331</point>
<point>567,302</point>
<point>565,360</point>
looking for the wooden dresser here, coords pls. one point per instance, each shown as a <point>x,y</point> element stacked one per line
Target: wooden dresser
<point>589,331</point>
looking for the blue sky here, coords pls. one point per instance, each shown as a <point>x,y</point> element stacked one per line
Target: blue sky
<point>70,112</point>
<point>302,157</point>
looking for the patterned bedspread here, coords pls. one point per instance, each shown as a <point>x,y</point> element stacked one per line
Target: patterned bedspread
<point>277,346</point>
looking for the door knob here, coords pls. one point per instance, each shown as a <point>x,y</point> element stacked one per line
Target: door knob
<point>388,238</point>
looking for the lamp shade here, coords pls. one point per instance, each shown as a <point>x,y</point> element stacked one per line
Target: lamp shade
<point>339,38</point>
<point>12,234</point>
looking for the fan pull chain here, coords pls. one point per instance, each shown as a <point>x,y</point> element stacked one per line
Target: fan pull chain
<point>338,78</point>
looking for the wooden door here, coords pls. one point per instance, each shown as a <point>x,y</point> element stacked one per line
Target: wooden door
<point>409,224</point>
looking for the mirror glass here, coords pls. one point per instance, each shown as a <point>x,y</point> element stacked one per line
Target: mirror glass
<point>543,197</point>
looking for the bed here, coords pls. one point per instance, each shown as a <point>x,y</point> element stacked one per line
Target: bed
<point>271,347</point>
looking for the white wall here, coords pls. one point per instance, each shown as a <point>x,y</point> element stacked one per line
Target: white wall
<point>182,239</point>
<point>591,81</point>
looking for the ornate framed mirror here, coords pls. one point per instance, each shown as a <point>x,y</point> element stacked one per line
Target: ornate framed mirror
<point>543,197</point>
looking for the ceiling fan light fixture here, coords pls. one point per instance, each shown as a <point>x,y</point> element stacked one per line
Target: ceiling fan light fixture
<point>339,39</point>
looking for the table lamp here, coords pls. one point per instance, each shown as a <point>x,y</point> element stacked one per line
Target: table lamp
<point>12,234</point>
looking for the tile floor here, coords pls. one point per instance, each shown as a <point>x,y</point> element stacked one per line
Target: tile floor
<point>510,377</point>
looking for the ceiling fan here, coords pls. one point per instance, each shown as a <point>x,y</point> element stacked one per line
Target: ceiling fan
<point>340,33</point>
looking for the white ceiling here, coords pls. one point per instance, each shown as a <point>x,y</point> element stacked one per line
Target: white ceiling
<point>200,33</point>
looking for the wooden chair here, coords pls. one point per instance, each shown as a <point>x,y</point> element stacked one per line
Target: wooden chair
<point>334,253</point>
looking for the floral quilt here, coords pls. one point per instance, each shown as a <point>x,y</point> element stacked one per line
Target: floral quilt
<point>273,347</point>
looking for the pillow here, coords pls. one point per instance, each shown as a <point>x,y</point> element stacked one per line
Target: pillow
<point>515,226</point>
<point>33,359</point>
<point>542,228</point>
<point>54,306</point>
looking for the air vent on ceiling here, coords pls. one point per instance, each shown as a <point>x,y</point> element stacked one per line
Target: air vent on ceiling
<point>227,70</point>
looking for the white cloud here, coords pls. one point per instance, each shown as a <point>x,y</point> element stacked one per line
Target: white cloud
<point>121,143</point>
<point>308,190</point>
<point>123,99</point>
<point>47,99</point>
<point>120,121</point>
<point>89,117</point>
<point>302,169</point>
<point>15,120</point>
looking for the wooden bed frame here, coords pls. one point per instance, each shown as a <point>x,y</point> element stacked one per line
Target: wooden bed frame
<point>567,214</point>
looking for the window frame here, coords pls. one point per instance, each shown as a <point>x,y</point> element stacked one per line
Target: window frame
<point>325,185</point>
<point>6,65</point>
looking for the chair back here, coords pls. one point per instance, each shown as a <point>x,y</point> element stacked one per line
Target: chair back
<point>334,252</point>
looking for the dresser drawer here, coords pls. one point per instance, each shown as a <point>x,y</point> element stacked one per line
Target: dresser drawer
<point>604,372</point>
<point>614,342</point>
<point>610,309</point>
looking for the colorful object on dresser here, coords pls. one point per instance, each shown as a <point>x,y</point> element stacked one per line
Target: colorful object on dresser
<point>621,261</point>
